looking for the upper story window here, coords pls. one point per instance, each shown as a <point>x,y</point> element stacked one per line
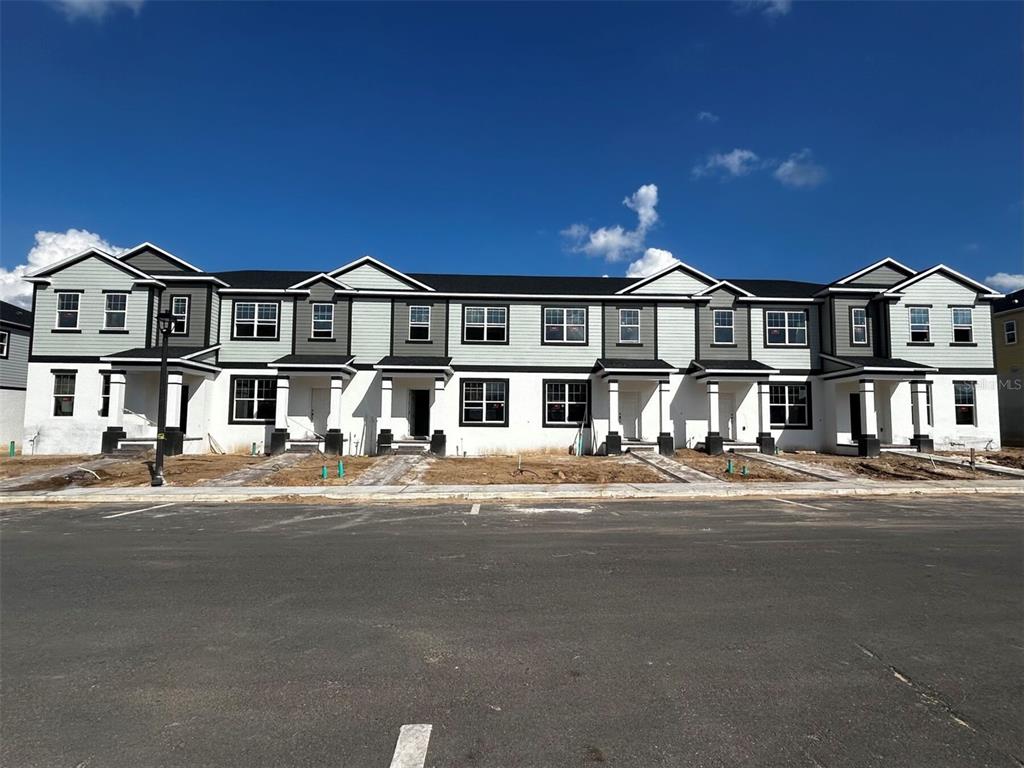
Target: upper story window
<point>724,324</point>
<point>963,325</point>
<point>565,403</point>
<point>963,401</point>
<point>858,325</point>
<point>565,325</point>
<point>419,323</point>
<point>5,343</point>
<point>485,324</point>
<point>629,326</point>
<point>786,328</point>
<point>1010,331</point>
<point>323,321</point>
<point>255,320</point>
<point>485,402</point>
<point>115,311</point>
<point>64,394</point>
<point>179,311</point>
<point>920,325</point>
<point>67,310</point>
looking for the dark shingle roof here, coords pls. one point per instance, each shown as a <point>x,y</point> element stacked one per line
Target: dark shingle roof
<point>539,284</point>
<point>626,364</point>
<point>12,313</point>
<point>424,361</point>
<point>733,365</point>
<point>782,289</point>
<point>153,353</point>
<point>865,361</point>
<point>1013,300</point>
<point>313,360</point>
<point>264,278</point>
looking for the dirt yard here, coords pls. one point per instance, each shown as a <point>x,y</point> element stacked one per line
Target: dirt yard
<point>1006,457</point>
<point>27,465</point>
<point>307,471</point>
<point>888,466</point>
<point>543,468</point>
<point>758,471</point>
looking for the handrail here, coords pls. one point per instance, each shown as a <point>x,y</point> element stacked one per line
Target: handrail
<point>315,434</point>
<point>141,416</point>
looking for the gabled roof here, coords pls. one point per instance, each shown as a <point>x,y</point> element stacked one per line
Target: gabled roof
<point>264,278</point>
<point>738,367</point>
<point>886,262</point>
<point>1009,302</point>
<point>726,285</point>
<point>778,289</point>
<point>15,315</point>
<point>383,268</point>
<point>680,266</point>
<point>321,276</point>
<point>147,246</point>
<point>962,279</point>
<point>86,254</point>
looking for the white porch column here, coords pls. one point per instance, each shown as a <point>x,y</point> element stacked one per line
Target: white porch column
<point>115,411</point>
<point>614,422</point>
<point>869,445</point>
<point>712,387</point>
<point>334,414</point>
<point>765,402</point>
<point>919,407</point>
<point>281,410</point>
<point>174,382</point>
<point>665,407</point>
<point>438,439</point>
<point>384,435</point>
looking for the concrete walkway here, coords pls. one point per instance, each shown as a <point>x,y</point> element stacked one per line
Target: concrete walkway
<point>59,471</point>
<point>674,470</point>
<point>389,470</point>
<point>803,467</point>
<point>248,475</point>
<point>982,466</point>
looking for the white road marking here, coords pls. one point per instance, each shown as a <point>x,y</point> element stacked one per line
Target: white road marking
<point>475,510</point>
<point>800,504</point>
<point>541,510</point>
<point>411,749</point>
<point>136,511</point>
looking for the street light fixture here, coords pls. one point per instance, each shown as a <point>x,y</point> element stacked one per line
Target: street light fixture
<point>164,321</point>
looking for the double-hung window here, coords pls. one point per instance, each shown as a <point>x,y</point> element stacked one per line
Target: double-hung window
<point>254,399</point>
<point>920,325</point>
<point>419,323</point>
<point>963,401</point>
<point>788,405</point>
<point>323,321</point>
<point>724,325</point>
<point>5,343</point>
<point>786,328</point>
<point>104,394</point>
<point>179,313</point>
<point>115,312</point>
<point>565,403</point>
<point>858,325</point>
<point>486,324</point>
<point>67,310</point>
<point>565,325</point>
<point>64,394</point>
<point>1010,331</point>
<point>485,402</point>
<point>629,326</point>
<point>255,320</point>
<point>963,325</point>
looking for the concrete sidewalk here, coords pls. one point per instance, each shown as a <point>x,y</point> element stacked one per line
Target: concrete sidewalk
<point>401,493</point>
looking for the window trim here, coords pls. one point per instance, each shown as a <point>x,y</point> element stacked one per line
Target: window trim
<point>910,325</point>
<point>427,325</point>
<point>5,345</point>
<point>78,312</point>
<point>715,327</point>
<point>104,411</point>
<point>564,325</point>
<point>973,404</point>
<point>188,312</point>
<point>1010,326</point>
<point>786,328</point>
<point>639,342</point>
<point>231,399</point>
<point>462,402</point>
<point>256,302</point>
<point>313,320</point>
<point>73,395</point>
<point>485,307</point>
<point>810,411</point>
<point>854,325</point>
<point>585,424</point>
<point>971,342</point>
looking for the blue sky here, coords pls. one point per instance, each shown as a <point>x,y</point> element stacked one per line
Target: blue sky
<point>506,138</point>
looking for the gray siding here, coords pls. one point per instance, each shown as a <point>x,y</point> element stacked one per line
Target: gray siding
<point>883,276</point>
<point>92,276</point>
<point>258,351</point>
<point>197,293</point>
<point>677,282</point>
<point>841,313</point>
<point>369,277</point>
<point>14,367</point>
<point>827,310</point>
<point>215,318</point>
<point>151,261</point>
<point>676,342</point>
<point>305,344</point>
<point>786,358</point>
<point>707,349</point>
<point>371,329</point>
<point>438,329</point>
<point>645,350</point>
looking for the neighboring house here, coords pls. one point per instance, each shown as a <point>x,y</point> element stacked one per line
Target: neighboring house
<point>1008,322</point>
<point>365,358</point>
<point>15,337</point>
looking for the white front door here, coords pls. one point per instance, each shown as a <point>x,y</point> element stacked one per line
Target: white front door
<point>629,410</point>
<point>727,415</point>
<point>319,408</point>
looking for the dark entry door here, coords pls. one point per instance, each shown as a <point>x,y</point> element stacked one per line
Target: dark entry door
<point>855,415</point>
<point>183,424</point>
<point>419,412</point>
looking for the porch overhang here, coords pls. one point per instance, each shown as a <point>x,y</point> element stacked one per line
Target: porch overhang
<point>876,367</point>
<point>737,370</point>
<point>325,365</point>
<point>186,358</point>
<point>616,368</point>
<point>421,365</point>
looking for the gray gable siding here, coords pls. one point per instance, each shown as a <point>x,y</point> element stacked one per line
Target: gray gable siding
<point>646,349</point>
<point>197,294</point>
<point>883,277</point>
<point>151,261</point>
<point>14,367</point>
<point>321,293</point>
<point>791,358</point>
<point>259,350</point>
<point>91,277</point>
<point>707,349</point>
<point>371,277</point>
<point>676,337</point>
<point>371,329</point>
<point>841,313</point>
<point>676,282</point>
<point>438,329</point>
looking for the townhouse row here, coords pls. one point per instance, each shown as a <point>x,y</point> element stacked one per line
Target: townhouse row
<point>365,358</point>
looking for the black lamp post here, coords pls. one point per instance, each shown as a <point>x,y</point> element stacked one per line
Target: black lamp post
<point>164,321</point>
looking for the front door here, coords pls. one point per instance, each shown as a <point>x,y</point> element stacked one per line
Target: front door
<point>183,424</point>
<point>855,415</point>
<point>629,411</point>
<point>319,408</point>
<point>727,416</point>
<point>419,413</point>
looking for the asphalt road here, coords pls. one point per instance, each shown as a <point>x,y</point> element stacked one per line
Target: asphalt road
<point>761,633</point>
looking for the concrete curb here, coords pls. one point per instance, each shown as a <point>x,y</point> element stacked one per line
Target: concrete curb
<point>406,493</point>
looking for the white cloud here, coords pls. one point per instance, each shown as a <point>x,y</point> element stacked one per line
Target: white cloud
<point>654,260</point>
<point>617,243</point>
<point>739,162</point>
<point>707,117</point>
<point>50,247</point>
<point>799,170</point>
<point>770,8</point>
<point>95,10</point>
<point>1005,282</point>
